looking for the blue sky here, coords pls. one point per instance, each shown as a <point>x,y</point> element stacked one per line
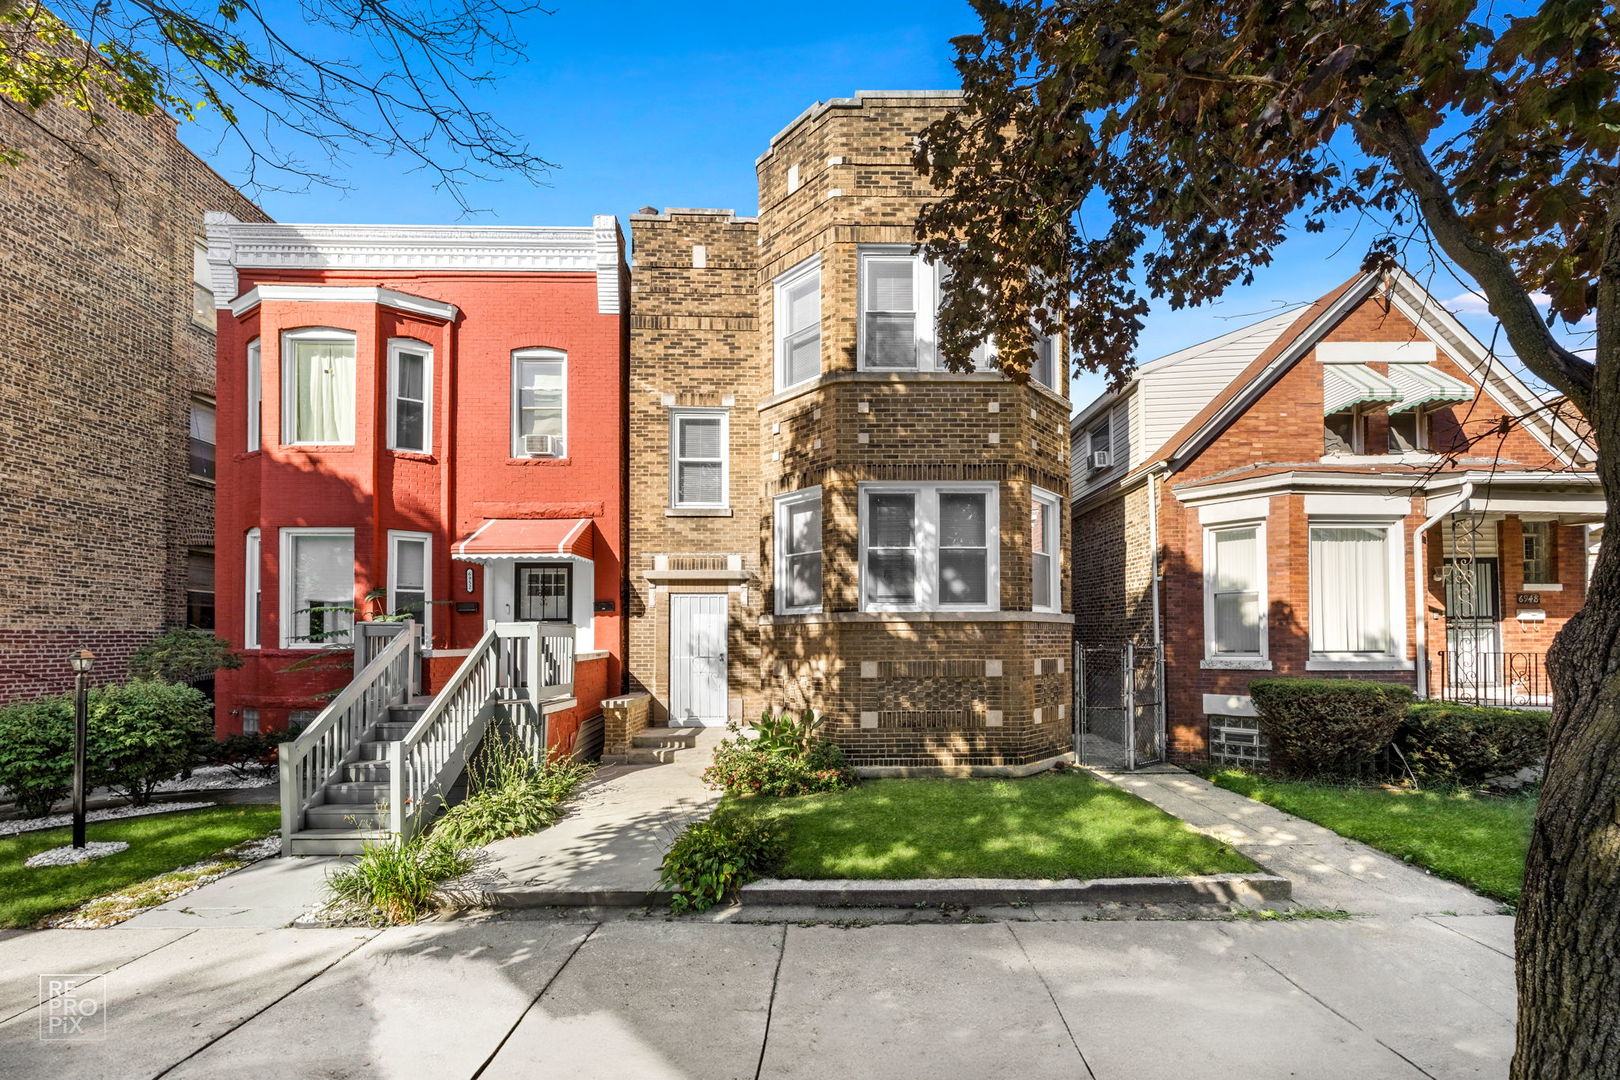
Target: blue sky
<point>669,105</point>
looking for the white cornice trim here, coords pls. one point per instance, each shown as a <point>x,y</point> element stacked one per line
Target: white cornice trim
<point>343,294</point>
<point>1305,483</point>
<point>609,247</point>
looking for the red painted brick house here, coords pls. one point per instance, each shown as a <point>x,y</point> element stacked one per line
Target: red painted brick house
<point>1330,492</point>
<point>423,420</point>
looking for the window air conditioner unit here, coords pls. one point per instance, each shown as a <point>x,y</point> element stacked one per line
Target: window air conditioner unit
<point>542,446</point>
<point>1101,459</point>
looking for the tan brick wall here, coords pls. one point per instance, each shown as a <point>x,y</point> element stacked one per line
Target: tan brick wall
<point>98,367</point>
<point>622,719</point>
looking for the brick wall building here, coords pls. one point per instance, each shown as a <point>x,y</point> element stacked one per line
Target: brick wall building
<point>106,372</point>
<point>824,517</point>
<point>1328,493</point>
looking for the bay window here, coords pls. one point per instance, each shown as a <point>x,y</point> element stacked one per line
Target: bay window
<point>539,403</point>
<point>889,306</point>
<point>1235,592</point>
<point>698,469</point>
<point>1356,610</point>
<point>317,587</point>
<point>927,547</point>
<point>798,552</point>
<point>318,387</point>
<point>410,381</point>
<point>1045,544</point>
<point>798,324</point>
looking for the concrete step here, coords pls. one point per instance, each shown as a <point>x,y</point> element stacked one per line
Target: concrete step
<point>356,791</point>
<point>334,841</point>
<point>367,815</point>
<point>366,772</point>
<point>665,738</point>
<point>645,755</point>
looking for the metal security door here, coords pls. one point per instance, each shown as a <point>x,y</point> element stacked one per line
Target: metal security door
<point>697,658</point>
<point>1119,706</point>
<point>1473,627</point>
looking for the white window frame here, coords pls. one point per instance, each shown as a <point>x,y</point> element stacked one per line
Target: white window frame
<point>925,306</point>
<point>1054,540</point>
<point>255,396</point>
<point>204,305</point>
<point>1262,600</point>
<point>677,417</point>
<point>212,409</point>
<point>395,538</point>
<point>289,375</point>
<point>545,355</point>
<point>785,281</point>
<point>926,537</point>
<point>780,555</point>
<point>1395,657</point>
<point>251,561</point>
<point>423,349</point>
<point>285,572</point>
<point>1421,418</point>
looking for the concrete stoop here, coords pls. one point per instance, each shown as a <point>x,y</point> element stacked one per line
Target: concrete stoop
<point>655,746</point>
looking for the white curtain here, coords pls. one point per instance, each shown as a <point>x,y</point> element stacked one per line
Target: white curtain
<point>323,578</point>
<point>1235,591</point>
<point>1349,590</point>
<point>323,392</point>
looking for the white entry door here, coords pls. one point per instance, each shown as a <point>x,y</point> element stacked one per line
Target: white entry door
<point>697,658</point>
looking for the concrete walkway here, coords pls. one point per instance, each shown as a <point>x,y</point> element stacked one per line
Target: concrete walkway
<point>622,997</point>
<point>609,847</point>
<point>1327,870</point>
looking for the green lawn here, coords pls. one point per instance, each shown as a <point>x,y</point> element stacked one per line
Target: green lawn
<point>1478,840</point>
<point>158,843</point>
<point>1053,825</point>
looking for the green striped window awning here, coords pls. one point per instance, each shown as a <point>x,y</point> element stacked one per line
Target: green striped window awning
<point>1421,386</point>
<point>1347,385</point>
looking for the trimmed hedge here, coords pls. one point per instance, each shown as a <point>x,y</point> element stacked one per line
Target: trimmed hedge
<point>1328,727</point>
<point>36,753</point>
<point>1467,744</point>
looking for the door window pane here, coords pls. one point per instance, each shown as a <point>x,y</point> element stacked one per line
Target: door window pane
<point>322,392</point>
<point>543,593</point>
<point>322,584</point>
<point>1350,600</point>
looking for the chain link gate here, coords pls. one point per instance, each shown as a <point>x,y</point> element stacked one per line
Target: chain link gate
<point>1119,706</point>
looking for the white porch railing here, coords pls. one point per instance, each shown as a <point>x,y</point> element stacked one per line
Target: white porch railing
<point>388,673</point>
<point>515,668</point>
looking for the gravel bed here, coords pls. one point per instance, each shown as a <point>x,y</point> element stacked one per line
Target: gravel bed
<point>215,778</point>
<point>68,854</point>
<point>56,821</point>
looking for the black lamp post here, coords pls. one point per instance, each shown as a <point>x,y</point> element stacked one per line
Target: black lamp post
<point>81,662</point>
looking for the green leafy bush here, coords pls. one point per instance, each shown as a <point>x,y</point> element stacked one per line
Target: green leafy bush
<point>183,656</point>
<point>785,760</point>
<point>509,793</point>
<point>1327,727</point>
<point>394,881</point>
<point>145,732</point>
<point>1467,745</point>
<point>250,753</point>
<point>785,733</point>
<point>36,753</point>
<point>714,858</point>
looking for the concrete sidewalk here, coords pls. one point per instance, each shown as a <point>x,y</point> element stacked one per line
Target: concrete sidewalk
<point>500,996</point>
<point>1327,870</point>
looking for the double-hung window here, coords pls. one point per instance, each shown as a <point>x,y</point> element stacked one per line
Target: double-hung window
<point>317,587</point>
<point>1538,549</point>
<point>255,397</point>
<point>798,324</point>
<point>698,471</point>
<point>539,403</point>
<point>1235,592</point>
<point>410,382</point>
<point>1356,599</point>
<point>202,291</point>
<point>1045,565</point>
<point>798,552</point>
<point>200,588</point>
<point>202,440</point>
<point>889,311</point>
<point>318,387</point>
<point>928,547</point>
<point>250,590</point>
<point>1044,369</point>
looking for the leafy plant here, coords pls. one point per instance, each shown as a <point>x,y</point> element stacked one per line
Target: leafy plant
<point>783,733</point>
<point>510,794</point>
<point>182,655</point>
<point>712,859</point>
<point>145,732</point>
<point>1467,745</point>
<point>1327,727</point>
<point>779,768</point>
<point>395,881</point>
<point>250,753</point>
<point>36,753</point>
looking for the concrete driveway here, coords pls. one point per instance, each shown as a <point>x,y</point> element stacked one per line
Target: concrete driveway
<point>1029,993</point>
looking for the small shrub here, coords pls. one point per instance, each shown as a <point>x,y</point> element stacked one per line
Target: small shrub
<point>1327,727</point>
<point>251,753</point>
<point>509,794</point>
<point>785,733</point>
<point>143,733</point>
<point>395,881</point>
<point>712,859</point>
<point>36,753</point>
<point>1467,745</point>
<point>183,656</point>
<point>753,767</point>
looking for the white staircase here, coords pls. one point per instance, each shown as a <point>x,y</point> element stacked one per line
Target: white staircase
<point>380,759</point>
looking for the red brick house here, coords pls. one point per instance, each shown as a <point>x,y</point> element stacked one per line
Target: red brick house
<point>1330,492</point>
<point>422,420</point>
